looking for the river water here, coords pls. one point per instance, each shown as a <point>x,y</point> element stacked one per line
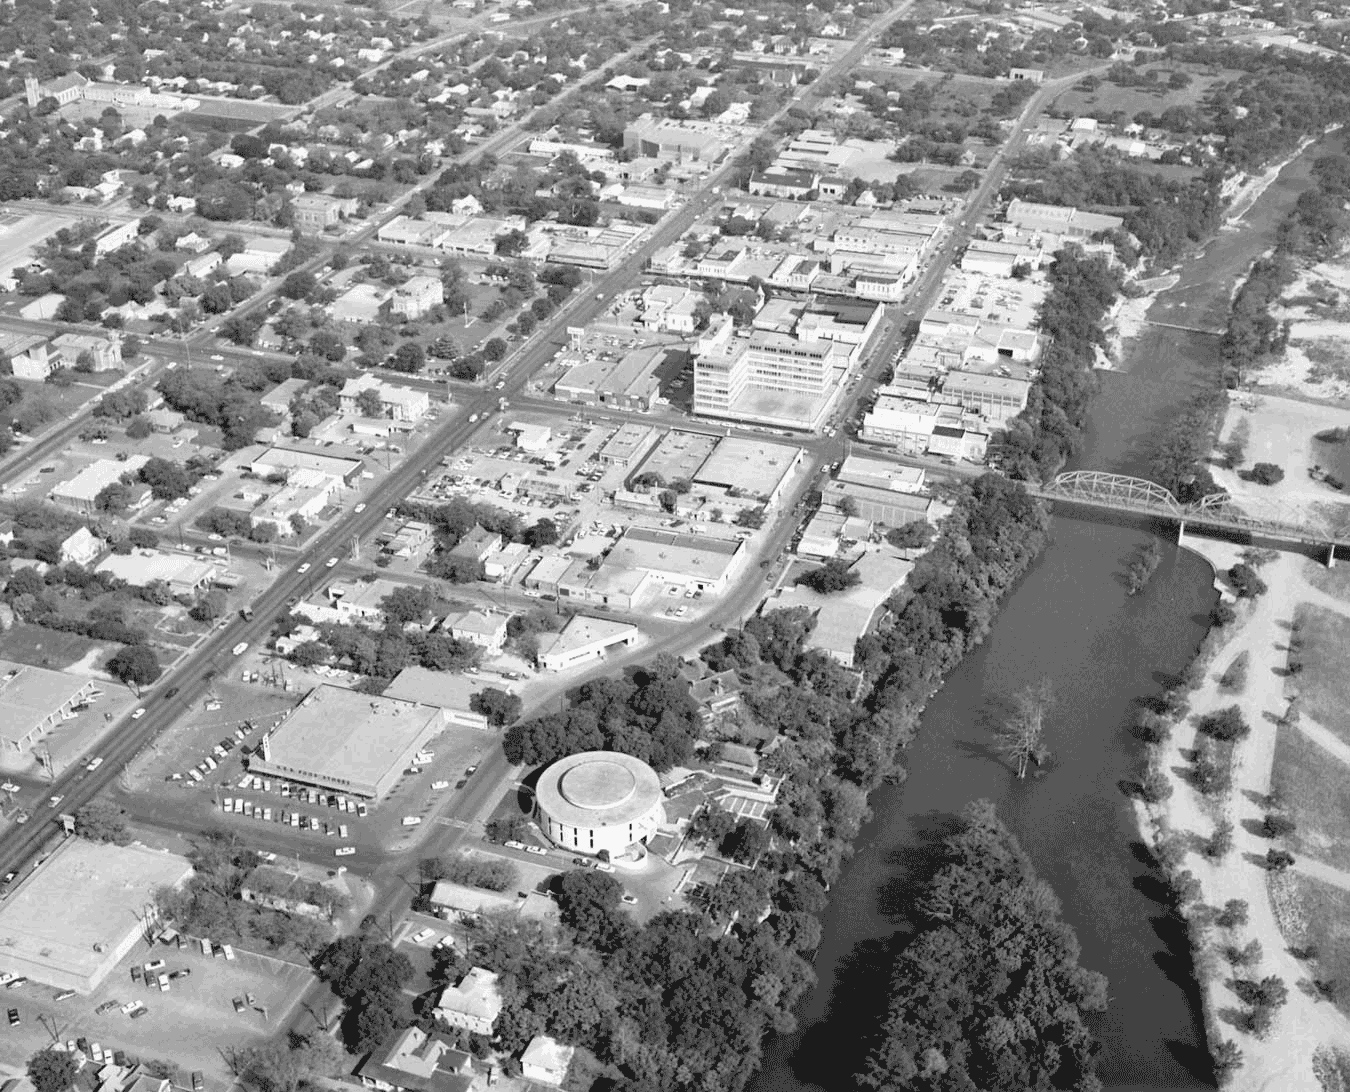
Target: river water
<point>1069,620</point>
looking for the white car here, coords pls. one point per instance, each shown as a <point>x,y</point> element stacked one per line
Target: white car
<point>138,714</point>
<point>422,936</point>
<point>437,785</point>
<point>304,568</point>
<point>330,563</point>
<point>217,357</point>
<point>360,508</point>
<point>240,648</point>
<point>94,764</point>
<point>538,850</point>
<point>344,851</point>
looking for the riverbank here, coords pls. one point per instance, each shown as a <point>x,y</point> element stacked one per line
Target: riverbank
<point>1180,828</point>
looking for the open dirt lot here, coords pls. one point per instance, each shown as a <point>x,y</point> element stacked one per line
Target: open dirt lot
<point>1318,797</point>
<point>1281,431</point>
<point>194,1024</point>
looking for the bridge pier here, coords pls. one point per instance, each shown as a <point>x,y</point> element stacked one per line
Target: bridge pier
<point>1331,556</point>
<point>1181,530</point>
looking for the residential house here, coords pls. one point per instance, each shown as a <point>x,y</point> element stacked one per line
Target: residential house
<point>414,1061</point>
<point>312,213</point>
<point>473,1003</point>
<point>100,354</point>
<point>81,548</point>
<point>416,296</point>
<point>477,544</point>
<point>546,1060</point>
<point>484,629</point>
<point>398,403</point>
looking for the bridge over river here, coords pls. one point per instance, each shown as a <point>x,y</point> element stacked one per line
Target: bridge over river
<point>1216,512</point>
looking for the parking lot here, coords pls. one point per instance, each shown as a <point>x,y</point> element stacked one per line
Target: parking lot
<point>186,773</point>
<point>194,1024</point>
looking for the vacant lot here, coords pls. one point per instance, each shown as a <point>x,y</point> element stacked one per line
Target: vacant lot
<point>40,647</point>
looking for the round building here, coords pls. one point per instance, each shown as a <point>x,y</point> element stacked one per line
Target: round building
<point>599,801</point>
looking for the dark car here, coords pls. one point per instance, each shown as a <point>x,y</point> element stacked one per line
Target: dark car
<point>182,972</point>
<point>198,1080</point>
<point>14,1018</point>
<point>172,692</point>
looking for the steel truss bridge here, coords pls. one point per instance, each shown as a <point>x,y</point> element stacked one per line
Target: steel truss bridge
<point>1216,512</point>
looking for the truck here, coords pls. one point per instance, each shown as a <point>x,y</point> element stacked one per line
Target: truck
<point>246,613</point>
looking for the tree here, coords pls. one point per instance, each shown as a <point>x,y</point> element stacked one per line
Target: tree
<point>102,821</point>
<point>136,665</point>
<point>495,349</point>
<point>912,536</point>
<point>588,903</point>
<point>1277,860</point>
<point>1021,738</point>
<point>209,606</point>
<point>1266,474</point>
<point>298,285</point>
<point>500,707</point>
<point>835,575</point>
<point>407,604</point>
<point>368,403</point>
<point>752,518</point>
<point>542,533</point>
<point>410,357</point>
<point>52,1070</point>
<point>1245,582</point>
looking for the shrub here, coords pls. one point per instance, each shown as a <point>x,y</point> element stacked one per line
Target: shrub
<point>1233,915</point>
<point>1211,772</point>
<point>1277,860</point>
<point>1157,787</point>
<point>1227,1060</point>
<point>1219,844</point>
<point>1277,826</point>
<point>1266,474</point>
<point>1225,724</point>
<point>1223,614</point>
<point>1245,582</point>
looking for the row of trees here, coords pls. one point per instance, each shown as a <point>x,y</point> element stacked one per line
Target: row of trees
<point>1048,432</point>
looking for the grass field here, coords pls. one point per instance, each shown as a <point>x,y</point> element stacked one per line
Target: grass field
<point>1317,793</point>
<point>1323,685</point>
<point>1108,97</point>
<point>1334,582</point>
<point>1327,912</point>
<point>44,647</point>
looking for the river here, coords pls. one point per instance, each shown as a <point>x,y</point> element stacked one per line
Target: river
<point>1069,620</point>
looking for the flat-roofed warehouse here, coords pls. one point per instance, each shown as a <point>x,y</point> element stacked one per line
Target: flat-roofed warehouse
<point>74,919</point>
<point>756,467</point>
<point>697,561</point>
<point>344,740</point>
<point>34,700</point>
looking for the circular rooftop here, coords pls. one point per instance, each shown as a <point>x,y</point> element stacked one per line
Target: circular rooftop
<point>597,785</point>
<point>598,788</point>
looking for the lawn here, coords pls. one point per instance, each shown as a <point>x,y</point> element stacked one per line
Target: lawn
<point>1335,582</point>
<point>1316,790</point>
<point>1326,910</point>
<point>41,647</point>
<point>1108,97</point>
<point>1323,686</point>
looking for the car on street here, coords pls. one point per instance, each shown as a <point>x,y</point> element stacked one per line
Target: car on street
<point>64,995</point>
<point>330,563</point>
<point>537,850</point>
<point>303,568</point>
<point>470,771</point>
<point>14,1020</point>
<point>94,764</point>
<point>138,714</point>
<point>344,851</point>
<point>240,648</point>
<point>55,801</point>
<point>172,692</point>
<point>360,508</point>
